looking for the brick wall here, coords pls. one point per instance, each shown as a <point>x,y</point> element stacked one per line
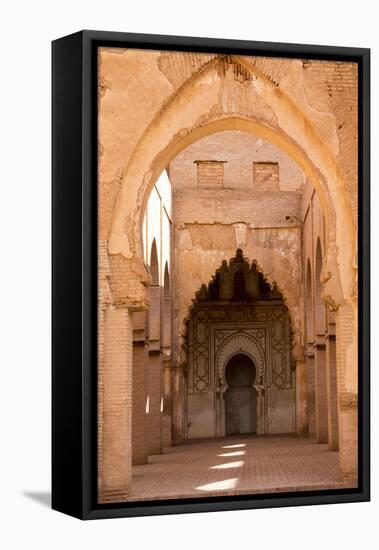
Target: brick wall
<point>258,208</point>
<point>239,151</point>
<point>266,176</point>
<point>210,173</point>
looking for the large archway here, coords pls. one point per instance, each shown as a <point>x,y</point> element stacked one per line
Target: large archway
<point>225,93</point>
<point>272,115</point>
<point>240,396</point>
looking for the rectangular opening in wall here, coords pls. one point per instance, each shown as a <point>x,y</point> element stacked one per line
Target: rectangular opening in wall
<point>266,176</point>
<point>210,173</point>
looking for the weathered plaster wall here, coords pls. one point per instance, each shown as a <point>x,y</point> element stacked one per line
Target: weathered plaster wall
<point>210,224</point>
<point>277,251</point>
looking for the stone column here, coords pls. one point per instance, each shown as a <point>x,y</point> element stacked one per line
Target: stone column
<point>331,370</point>
<point>321,391</point>
<point>311,392</point>
<point>116,464</point>
<point>302,397</point>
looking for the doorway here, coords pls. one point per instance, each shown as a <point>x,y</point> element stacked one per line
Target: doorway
<point>240,397</point>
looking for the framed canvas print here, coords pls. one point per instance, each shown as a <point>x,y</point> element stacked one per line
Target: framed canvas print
<point>210,274</point>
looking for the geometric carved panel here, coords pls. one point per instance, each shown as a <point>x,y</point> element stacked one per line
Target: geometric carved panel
<point>261,331</point>
<point>238,311</point>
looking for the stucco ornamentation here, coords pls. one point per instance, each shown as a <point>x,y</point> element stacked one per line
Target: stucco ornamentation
<point>240,342</point>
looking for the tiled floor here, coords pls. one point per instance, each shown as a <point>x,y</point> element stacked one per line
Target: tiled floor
<point>235,465</point>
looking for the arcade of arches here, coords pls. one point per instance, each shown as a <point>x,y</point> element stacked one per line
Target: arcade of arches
<point>227,267</point>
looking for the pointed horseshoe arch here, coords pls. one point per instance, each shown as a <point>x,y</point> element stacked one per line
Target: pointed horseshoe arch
<point>240,342</point>
<point>204,109</point>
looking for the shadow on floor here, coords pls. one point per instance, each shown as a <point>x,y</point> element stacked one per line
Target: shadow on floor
<point>42,497</point>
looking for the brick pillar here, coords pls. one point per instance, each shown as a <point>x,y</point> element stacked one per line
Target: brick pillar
<point>348,436</point>
<point>321,391</point>
<point>116,464</point>
<point>347,373</point>
<point>155,373</point>
<point>100,391</point>
<point>154,396</point>
<point>177,404</point>
<point>167,409</point>
<point>140,362</point>
<point>311,392</point>
<point>331,370</point>
<point>301,398</point>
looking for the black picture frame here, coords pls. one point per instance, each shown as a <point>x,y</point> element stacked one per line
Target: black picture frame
<point>74,273</point>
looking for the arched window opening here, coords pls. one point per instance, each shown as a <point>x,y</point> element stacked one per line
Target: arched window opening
<point>166,280</point>
<point>308,306</point>
<point>166,309</point>
<point>240,372</point>
<point>319,305</point>
<point>154,266</point>
<point>240,397</point>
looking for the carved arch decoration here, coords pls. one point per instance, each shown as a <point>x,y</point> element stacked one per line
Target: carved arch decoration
<point>222,322</point>
<point>240,342</point>
<point>221,286</point>
<point>154,264</point>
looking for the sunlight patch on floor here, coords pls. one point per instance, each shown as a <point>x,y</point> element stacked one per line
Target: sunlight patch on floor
<point>236,464</point>
<point>219,485</point>
<point>235,453</point>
